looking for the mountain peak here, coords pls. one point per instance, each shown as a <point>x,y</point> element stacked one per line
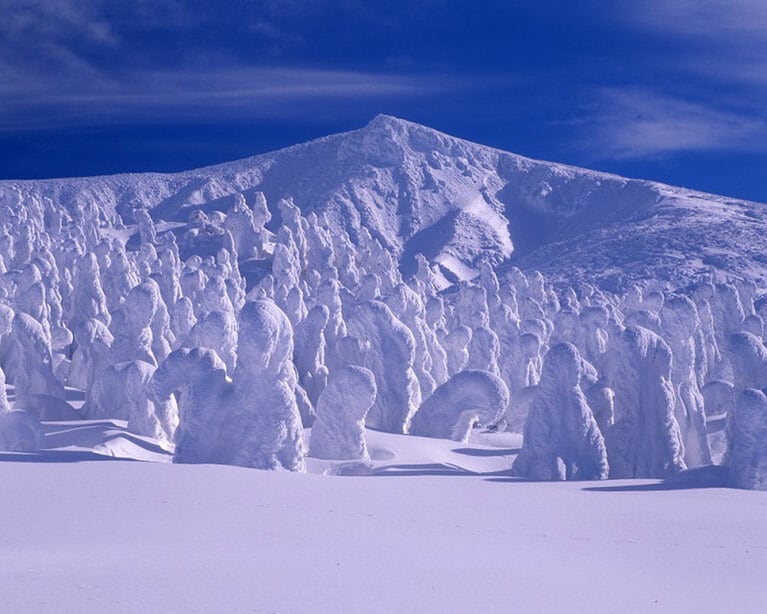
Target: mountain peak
<point>390,128</point>
<point>382,120</point>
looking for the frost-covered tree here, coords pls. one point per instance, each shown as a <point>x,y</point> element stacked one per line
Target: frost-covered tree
<point>205,429</point>
<point>469,399</point>
<point>215,330</point>
<point>266,411</point>
<point>645,439</point>
<point>747,441</point>
<point>131,325</point>
<point>122,391</point>
<point>748,357</point>
<point>390,353</point>
<point>410,309</point>
<point>727,314</point>
<point>309,351</point>
<point>680,325</point>
<point>338,433</point>
<point>92,355</point>
<point>456,344</point>
<point>34,366</point>
<point>88,300</point>
<point>562,439</point>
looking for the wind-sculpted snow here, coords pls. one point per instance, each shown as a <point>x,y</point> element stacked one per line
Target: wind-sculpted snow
<point>680,325</point>
<point>338,432</point>
<point>264,398</point>
<point>34,361</point>
<point>251,420</point>
<point>562,439</point>
<point>225,310</point>
<point>747,437</point>
<point>309,351</point>
<point>198,378</point>
<point>467,400</point>
<point>122,391</point>
<point>749,356</point>
<point>20,431</point>
<point>389,352</point>
<point>645,439</point>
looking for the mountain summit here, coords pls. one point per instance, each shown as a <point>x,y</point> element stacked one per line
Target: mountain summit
<point>418,190</point>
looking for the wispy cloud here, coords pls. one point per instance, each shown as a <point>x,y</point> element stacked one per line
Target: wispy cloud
<point>39,36</point>
<point>64,62</point>
<point>717,19</point>
<point>725,40</point>
<point>703,90</point>
<point>640,123</point>
<point>246,91</point>
<point>747,72</point>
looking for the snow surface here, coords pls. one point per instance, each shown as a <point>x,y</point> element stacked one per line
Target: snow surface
<point>438,527</point>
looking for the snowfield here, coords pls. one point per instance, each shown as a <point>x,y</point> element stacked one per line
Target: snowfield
<point>437,527</point>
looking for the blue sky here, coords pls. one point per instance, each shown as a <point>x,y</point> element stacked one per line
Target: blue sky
<point>673,90</point>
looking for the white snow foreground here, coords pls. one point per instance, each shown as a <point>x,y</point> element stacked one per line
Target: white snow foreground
<point>212,315</point>
<point>436,527</point>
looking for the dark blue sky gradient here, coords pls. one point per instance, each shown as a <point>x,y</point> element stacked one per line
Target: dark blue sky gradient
<point>671,90</point>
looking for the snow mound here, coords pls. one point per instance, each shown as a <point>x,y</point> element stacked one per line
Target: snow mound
<point>20,431</point>
<point>130,447</point>
<point>45,407</point>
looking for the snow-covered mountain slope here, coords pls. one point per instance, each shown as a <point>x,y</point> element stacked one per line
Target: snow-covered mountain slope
<point>421,191</point>
<point>238,317</point>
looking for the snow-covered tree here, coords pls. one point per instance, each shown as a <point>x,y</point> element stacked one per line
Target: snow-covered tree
<point>338,433</point>
<point>469,399</point>
<point>562,439</point>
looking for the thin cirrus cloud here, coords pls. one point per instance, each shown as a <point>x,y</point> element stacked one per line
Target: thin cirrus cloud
<point>711,19</point>
<point>54,73</point>
<point>707,95</point>
<point>247,91</point>
<point>633,123</point>
<point>746,70</point>
<point>724,40</point>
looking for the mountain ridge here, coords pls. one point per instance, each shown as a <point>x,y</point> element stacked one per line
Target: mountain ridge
<point>379,117</point>
<point>418,190</point>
